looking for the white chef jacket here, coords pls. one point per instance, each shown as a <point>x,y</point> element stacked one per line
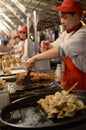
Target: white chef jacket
<point>28,49</point>
<point>74,45</point>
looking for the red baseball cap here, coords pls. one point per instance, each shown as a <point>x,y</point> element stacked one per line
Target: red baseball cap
<point>69,6</point>
<point>23,29</point>
<point>16,35</point>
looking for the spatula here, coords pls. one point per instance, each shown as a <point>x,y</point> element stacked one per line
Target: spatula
<point>27,80</point>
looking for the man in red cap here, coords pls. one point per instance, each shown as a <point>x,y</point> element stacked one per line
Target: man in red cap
<point>70,47</point>
<point>25,48</point>
<point>23,29</point>
<point>18,43</point>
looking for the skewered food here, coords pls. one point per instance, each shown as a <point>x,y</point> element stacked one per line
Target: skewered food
<point>10,61</point>
<point>20,77</point>
<point>35,76</point>
<point>61,104</point>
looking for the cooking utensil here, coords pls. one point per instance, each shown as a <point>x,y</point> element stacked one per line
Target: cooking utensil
<point>27,79</point>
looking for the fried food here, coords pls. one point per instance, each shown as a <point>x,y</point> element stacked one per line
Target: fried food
<point>61,104</point>
<point>20,77</point>
<point>7,71</point>
<point>35,76</point>
<point>10,61</point>
<point>3,84</point>
<point>38,76</point>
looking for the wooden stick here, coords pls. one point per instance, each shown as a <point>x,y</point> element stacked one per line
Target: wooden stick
<point>72,87</point>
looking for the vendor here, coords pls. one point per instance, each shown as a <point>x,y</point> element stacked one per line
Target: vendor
<point>26,41</point>
<point>70,46</point>
<point>17,48</point>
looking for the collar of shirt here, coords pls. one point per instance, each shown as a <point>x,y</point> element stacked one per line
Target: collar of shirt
<point>74,28</point>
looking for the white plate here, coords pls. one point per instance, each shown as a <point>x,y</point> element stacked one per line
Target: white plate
<point>16,71</point>
<point>12,75</point>
<point>3,53</point>
<point>7,77</point>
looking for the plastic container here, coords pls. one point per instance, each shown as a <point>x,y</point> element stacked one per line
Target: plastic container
<point>58,73</point>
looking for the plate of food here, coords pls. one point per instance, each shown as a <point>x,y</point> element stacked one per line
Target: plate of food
<point>50,110</point>
<point>11,73</point>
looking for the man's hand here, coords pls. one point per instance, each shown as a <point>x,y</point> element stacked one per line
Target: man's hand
<point>30,63</point>
<point>45,45</point>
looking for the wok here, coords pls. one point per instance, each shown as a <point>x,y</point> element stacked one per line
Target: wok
<point>25,113</point>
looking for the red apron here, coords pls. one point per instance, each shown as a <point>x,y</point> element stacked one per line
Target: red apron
<point>72,75</point>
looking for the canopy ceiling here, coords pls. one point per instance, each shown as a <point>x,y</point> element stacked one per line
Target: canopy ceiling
<point>14,13</point>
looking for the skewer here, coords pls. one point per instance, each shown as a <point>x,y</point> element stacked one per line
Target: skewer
<point>72,87</point>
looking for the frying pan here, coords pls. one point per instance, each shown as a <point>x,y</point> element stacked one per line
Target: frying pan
<point>25,113</point>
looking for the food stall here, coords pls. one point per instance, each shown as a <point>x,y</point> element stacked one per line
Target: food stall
<point>24,93</point>
<point>30,98</point>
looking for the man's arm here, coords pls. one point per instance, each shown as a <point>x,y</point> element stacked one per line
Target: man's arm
<point>47,55</point>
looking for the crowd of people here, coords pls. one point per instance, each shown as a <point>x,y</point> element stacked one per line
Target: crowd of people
<point>18,44</point>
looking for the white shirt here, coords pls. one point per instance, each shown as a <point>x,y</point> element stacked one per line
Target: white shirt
<point>18,48</point>
<point>74,46</point>
<point>28,49</point>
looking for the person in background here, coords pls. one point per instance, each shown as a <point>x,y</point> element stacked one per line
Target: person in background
<point>25,47</point>
<point>3,46</point>
<point>6,45</point>
<point>16,41</point>
<point>17,49</point>
<point>11,42</point>
<point>70,46</point>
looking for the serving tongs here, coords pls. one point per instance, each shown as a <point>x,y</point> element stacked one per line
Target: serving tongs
<point>27,79</point>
